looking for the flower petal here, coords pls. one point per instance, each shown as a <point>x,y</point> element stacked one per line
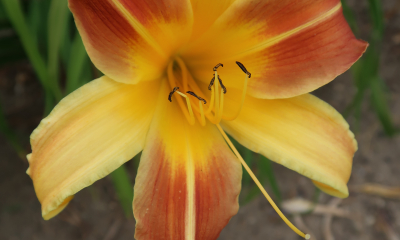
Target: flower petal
<point>205,12</point>
<point>302,133</point>
<point>131,41</point>
<point>89,134</point>
<point>188,180</point>
<point>290,47</point>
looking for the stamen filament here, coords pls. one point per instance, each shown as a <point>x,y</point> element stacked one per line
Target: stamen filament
<point>296,230</point>
<point>189,105</point>
<point>196,88</point>
<point>211,102</point>
<point>184,73</point>
<point>216,85</point>
<point>231,118</point>
<point>221,107</point>
<point>203,119</point>
<point>172,83</point>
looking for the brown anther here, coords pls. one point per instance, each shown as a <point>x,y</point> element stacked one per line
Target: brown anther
<point>220,82</point>
<point>194,95</point>
<point>211,83</point>
<point>222,85</point>
<point>217,66</point>
<point>170,94</point>
<point>243,68</point>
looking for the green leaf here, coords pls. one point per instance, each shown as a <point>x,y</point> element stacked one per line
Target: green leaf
<point>248,158</point>
<point>10,135</point>
<point>379,102</point>
<point>265,165</point>
<point>124,189</point>
<point>3,16</point>
<point>57,22</point>
<point>348,14</point>
<point>35,19</point>
<point>253,193</point>
<point>77,62</point>
<point>15,15</point>
<point>377,17</point>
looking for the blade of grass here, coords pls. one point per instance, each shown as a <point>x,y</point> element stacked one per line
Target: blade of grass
<point>77,60</point>
<point>350,18</point>
<point>57,22</point>
<point>3,16</point>
<point>67,40</point>
<point>248,158</point>
<point>124,189</point>
<point>15,15</point>
<point>379,102</point>
<point>253,193</point>
<point>266,167</point>
<point>34,19</point>
<point>376,14</point>
<point>10,135</point>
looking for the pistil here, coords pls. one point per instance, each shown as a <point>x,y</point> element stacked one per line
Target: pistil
<point>235,151</point>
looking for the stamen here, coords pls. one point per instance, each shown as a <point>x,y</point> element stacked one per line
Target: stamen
<point>222,85</point>
<point>211,102</point>
<point>217,95</point>
<point>188,114</point>
<point>184,73</point>
<point>203,119</point>
<point>221,107</point>
<point>220,82</point>
<point>189,105</point>
<point>211,83</point>
<point>217,66</point>
<point>194,95</point>
<point>243,68</point>
<point>296,230</point>
<point>248,75</point>
<point>170,94</point>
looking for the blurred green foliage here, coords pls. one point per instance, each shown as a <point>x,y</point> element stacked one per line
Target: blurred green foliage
<point>366,71</point>
<point>43,31</point>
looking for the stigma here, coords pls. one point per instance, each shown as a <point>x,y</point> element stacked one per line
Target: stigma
<point>213,109</point>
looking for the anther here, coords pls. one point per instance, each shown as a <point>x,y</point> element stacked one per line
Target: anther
<point>194,95</point>
<point>217,66</point>
<point>173,91</point>
<point>211,83</point>
<point>243,69</point>
<point>220,81</point>
<point>222,85</point>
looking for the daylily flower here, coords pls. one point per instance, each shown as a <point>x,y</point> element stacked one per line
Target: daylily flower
<point>189,176</point>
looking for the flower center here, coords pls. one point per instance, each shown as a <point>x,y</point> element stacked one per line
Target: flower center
<point>194,103</point>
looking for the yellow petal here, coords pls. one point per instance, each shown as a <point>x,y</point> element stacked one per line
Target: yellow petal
<point>188,180</point>
<point>205,12</point>
<point>89,134</point>
<point>302,133</point>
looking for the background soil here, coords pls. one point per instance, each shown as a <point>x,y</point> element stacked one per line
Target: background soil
<point>95,212</point>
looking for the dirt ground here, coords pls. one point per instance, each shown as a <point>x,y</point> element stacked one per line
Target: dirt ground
<point>95,213</point>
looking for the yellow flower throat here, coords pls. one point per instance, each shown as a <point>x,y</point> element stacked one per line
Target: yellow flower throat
<point>216,102</point>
